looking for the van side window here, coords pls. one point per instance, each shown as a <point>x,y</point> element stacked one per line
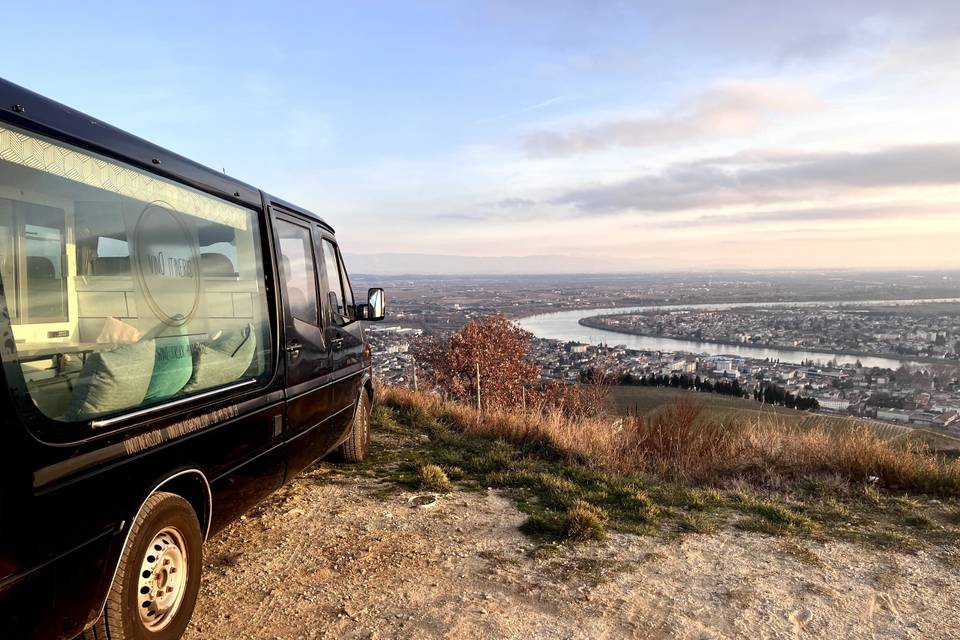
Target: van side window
<point>297,263</point>
<point>102,247</point>
<point>341,298</point>
<point>218,251</point>
<point>124,289</point>
<point>44,250</point>
<point>34,252</point>
<point>345,282</point>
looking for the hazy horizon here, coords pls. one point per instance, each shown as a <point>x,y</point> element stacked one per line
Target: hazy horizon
<point>692,135</point>
<point>437,265</point>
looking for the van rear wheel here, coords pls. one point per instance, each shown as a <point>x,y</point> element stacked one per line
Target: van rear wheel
<point>155,589</point>
<point>356,446</point>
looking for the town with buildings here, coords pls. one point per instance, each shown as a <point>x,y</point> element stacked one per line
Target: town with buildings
<point>923,394</point>
<point>927,396</point>
<point>922,331</point>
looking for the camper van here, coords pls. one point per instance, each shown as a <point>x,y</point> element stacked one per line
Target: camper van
<point>176,345</point>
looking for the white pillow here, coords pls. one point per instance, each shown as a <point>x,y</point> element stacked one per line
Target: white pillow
<point>118,332</point>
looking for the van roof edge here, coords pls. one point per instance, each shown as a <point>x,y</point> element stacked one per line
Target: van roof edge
<point>25,108</point>
<point>280,202</point>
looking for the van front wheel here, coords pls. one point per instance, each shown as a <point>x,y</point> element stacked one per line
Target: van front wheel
<point>355,447</point>
<point>157,581</point>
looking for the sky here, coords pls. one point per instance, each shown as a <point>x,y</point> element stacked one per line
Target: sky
<point>547,136</point>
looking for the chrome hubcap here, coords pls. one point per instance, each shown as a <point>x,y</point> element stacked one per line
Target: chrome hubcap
<point>163,579</point>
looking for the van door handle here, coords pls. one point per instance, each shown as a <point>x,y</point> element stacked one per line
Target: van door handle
<point>294,349</point>
<point>336,342</point>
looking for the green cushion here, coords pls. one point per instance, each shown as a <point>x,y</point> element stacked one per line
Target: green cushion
<point>172,365</point>
<point>223,360</point>
<point>112,380</point>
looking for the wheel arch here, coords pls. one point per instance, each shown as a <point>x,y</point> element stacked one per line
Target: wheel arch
<point>191,485</point>
<point>366,384</point>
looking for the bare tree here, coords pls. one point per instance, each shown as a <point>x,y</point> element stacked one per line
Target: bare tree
<point>495,345</point>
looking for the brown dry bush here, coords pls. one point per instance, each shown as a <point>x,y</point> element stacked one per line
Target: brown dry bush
<point>679,444</point>
<point>496,346</point>
<point>508,379</point>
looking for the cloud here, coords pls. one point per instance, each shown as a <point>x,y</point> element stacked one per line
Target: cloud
<point>516,203</point>
<point>816,46</point>
<point>853,212</point>
<point>458,217</point>
<point>729,110</point>
<point>760,178</point>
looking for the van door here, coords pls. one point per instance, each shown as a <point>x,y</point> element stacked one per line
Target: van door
<point>309,396</point>
<point>342,332</point>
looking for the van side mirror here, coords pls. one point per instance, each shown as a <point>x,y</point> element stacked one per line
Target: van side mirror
<point>375,308</point>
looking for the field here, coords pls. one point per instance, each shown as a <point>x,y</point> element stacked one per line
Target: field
<point>647,401</point>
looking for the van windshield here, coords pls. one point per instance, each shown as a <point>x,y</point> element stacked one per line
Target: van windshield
<point>123,289</point>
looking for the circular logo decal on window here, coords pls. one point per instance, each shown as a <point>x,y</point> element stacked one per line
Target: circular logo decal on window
<point>167,264</point>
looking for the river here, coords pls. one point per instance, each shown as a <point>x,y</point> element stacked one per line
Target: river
<point>564,326</point>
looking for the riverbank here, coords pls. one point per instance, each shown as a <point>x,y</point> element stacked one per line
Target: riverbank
<point>564,326</point>
<point>593,323</point>
<point>628,305</point>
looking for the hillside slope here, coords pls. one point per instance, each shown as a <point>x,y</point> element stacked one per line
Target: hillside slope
<point>348,552</point>
<point>646,400</point>
<point>337,556</point>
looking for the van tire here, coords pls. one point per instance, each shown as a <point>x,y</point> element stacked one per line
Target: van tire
<point>357,444</point>
<point>165,519</point>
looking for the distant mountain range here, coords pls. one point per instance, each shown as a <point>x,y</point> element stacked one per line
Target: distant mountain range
<point>433,264</point>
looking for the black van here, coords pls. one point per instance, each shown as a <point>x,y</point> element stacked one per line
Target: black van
<point>176,344</point>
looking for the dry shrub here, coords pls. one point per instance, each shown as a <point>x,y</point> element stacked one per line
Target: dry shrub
<point>433,478</point>
<point>454,473</point>
<point>584,521</point>
<point>596,391</point>
<point>576,401</point>
<point>495,345</point>
<point>508,378</point>
<point>680,444</point>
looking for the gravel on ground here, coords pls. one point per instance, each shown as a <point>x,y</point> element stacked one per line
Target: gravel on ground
<point>342,555</point>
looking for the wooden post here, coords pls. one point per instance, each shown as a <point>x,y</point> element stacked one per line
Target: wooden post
<point>415,375</point>
<point>523,396</point>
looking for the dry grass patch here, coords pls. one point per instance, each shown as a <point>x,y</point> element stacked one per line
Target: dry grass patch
<point>699,523</point>
<point>454,472</point>
<point>677,473</point>
<point>678,444</point>
<point>893,541</point>
<point>583,521</point>
<point>800,553</point>
<point>433,478</point>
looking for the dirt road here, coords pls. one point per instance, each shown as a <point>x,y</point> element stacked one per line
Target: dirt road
<point>336,555</point>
